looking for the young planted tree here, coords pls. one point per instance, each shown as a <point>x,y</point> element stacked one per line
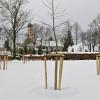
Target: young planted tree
<point>50,4</point>
<point>54,14</point>
<point>14,19</point>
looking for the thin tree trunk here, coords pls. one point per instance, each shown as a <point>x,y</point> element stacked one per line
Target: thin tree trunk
<point>53,21</point>
<point>14,46</point>
<point>56,59</point>
<point>76,38</point>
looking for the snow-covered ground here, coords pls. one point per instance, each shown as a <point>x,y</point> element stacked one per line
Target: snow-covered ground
<point>26,81</point>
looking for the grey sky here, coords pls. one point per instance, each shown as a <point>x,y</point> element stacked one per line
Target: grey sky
<point>82,11</point>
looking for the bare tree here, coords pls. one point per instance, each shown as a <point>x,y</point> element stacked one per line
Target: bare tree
<point>95,31</point>
<point>89,40</point>
<point>50,4</point>
<point>93,35</point>
<point>54,14</point>
<point>98,30</point>
<point>67,27</point>
<point>49,34</point>
<point>36,32</point>
<point>14,19</point>
<point>83,39</point>
<point>76,29</point>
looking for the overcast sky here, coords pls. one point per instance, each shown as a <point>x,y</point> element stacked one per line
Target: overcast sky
<point>82,11</point>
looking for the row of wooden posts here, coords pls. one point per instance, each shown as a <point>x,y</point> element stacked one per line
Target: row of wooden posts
<point>3,59</point>
<point>57,83</point>
<point>58,57</point>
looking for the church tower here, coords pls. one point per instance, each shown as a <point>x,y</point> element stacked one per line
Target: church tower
<point>30,31</point>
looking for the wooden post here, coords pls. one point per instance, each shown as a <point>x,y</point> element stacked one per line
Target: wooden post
<point>26,59</point>
<point>57,56</point>
<point>56,70</point>
<point>4,59</point>
<point>0,62</point>
<point>60,73</point>
<point>46,84</point>
<point>97,64</point>
<point>23,59</point>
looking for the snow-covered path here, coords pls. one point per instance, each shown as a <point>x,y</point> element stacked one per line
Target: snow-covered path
<point>26,81</point>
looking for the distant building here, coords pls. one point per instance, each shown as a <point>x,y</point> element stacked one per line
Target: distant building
<point>30,31</point>
<point>50,45</point>
<point>78,48</point>
<point>29,41</point>
<point>36,38</point>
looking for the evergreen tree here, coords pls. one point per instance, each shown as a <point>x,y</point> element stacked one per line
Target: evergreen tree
<point>21,51</point>
<point>47,51</point>
<point>30,50</point>
<point>25,49</point>
<point>6,45</point>
<point>40,50</point>
<point>65,45</point>
<point>51,39</point>
<point>68,41</point>
<point>34,51</point>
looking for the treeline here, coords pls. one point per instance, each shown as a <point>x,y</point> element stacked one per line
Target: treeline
<point>14,20</point>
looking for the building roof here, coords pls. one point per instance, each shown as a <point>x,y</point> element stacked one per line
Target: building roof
<point>47,43</point>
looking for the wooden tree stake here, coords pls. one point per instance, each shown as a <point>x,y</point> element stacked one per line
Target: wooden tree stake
<point>46,83</point>
<point>60,73</point>
<point>56,70</point>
